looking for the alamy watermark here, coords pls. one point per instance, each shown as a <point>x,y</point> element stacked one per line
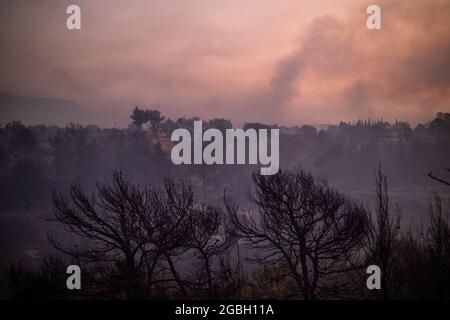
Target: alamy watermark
<point>234,146</point>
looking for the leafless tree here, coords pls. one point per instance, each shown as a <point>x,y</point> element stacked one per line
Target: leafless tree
<point>438,249</point>
<point>210,244</point>
<point>313,232</point>
<point>136,235</point>
<point>384,237</point>
<point>428,259</point>
<point>128,228</point>
<point>214,274</point>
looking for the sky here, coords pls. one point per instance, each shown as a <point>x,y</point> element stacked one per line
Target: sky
<point>274,61</point>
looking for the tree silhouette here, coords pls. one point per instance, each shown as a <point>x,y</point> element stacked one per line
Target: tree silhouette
<point>427,262</point>
<point>384,237</point>
<point>302,225</point>
<point>136,234</point>
<point>129,228</point>
<point>214,276</point>
<point>139,116</point>
<point>155,118</point>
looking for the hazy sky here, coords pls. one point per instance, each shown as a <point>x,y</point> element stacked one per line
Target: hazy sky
<point>285,61</point>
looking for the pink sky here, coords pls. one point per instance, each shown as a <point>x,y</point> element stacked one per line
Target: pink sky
<point>289,62</point>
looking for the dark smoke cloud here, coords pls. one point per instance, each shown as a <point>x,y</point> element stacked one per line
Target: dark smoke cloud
<point>196,58</point>
<point>401,71</point>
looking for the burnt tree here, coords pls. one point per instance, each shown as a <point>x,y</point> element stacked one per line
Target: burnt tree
<point>126,230</point>
<point>384,238</point>
<point>314,233</point>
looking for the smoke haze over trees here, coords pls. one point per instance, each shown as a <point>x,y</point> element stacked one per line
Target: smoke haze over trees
<point>156,230</point>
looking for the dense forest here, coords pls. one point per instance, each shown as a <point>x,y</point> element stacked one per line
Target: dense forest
<point>111,201</point>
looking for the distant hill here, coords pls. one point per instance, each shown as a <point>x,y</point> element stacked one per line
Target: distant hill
<point>33,110</point>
